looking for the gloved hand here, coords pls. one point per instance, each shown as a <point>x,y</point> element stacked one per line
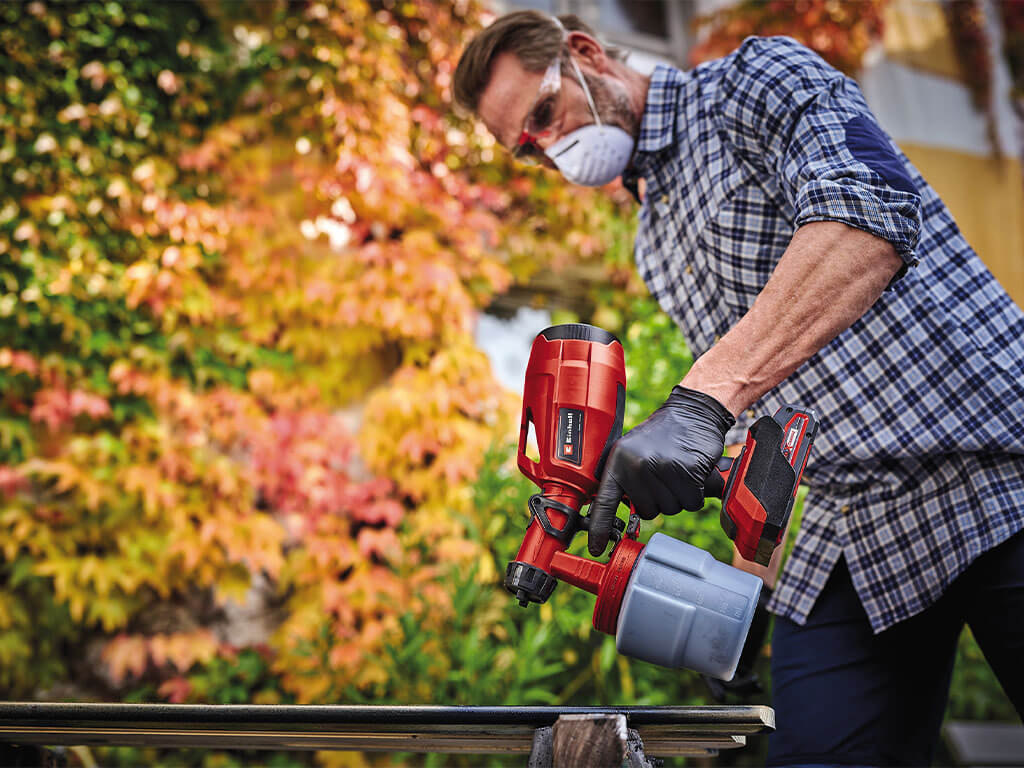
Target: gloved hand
<point>661,464</point>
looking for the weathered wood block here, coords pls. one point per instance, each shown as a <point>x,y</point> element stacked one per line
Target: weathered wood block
<point>596,740</point>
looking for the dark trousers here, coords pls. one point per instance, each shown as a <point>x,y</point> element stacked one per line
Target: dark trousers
<point>845,696</point>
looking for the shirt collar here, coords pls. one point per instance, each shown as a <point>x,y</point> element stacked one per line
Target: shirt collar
<point>657,130</point>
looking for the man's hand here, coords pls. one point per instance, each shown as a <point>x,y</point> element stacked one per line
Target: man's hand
<point>661,464</point>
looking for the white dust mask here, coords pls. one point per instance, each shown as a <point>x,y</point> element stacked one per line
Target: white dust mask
<point>595,154</point>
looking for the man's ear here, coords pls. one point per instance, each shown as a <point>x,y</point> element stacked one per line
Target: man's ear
<point>588,50</point>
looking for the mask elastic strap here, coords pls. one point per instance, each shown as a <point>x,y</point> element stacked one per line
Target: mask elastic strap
<point>579,74</point>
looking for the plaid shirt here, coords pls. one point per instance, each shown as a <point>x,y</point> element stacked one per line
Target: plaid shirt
<point>919,464</point>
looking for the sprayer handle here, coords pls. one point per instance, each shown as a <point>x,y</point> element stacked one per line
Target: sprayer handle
<point>714,486</point>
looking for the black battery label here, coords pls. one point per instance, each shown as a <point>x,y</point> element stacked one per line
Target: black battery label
<point>570,435</point>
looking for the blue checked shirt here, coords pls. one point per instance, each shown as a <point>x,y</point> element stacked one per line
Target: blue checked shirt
<point>919,464</point>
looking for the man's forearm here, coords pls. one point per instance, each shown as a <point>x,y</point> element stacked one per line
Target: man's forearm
<point>828,277</point>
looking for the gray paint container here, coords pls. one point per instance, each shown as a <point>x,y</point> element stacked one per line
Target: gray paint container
<point>683,608</point>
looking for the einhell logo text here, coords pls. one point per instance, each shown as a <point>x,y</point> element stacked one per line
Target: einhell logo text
<point>570,435</point>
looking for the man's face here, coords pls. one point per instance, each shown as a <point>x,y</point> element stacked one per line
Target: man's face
<point>511,95</point>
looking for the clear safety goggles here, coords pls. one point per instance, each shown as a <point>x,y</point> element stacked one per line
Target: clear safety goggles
<point>537,124</point>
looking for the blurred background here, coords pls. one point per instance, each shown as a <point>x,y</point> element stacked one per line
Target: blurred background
<point>265,304</point>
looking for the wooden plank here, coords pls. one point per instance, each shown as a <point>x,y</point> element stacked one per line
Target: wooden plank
<point>747,718</point>
<point>691,746</point>
<point>503,740</point>
<point>666,731</point>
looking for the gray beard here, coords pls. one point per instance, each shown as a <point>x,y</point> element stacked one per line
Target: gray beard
<point>613,106</point>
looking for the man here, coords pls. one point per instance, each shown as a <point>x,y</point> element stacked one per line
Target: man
<point>775,216</point>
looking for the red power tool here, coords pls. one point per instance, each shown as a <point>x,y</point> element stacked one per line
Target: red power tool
<point>574,396</point>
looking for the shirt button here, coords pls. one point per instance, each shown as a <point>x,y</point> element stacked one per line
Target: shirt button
<point>750,413</point>
<point>664,198</point>
<point>689,269</point>
<point>846,509</point>
<point>718,338</point>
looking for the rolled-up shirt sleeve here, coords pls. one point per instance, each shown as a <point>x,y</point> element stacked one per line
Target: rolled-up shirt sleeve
<point>807,128</point>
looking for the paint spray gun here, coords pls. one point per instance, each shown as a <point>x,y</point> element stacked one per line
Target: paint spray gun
<point>666,602</point>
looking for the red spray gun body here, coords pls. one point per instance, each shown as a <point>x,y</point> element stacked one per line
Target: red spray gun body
<point>574,396</point>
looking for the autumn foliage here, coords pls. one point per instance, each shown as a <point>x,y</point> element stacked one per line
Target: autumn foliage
<point>840,32</point>
<point>242,247</point>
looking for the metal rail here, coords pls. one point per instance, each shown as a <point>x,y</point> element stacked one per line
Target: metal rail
<point>665,731</point>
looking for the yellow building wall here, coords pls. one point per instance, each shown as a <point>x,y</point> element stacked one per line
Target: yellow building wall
<point>986,197</point>
<point>984,192</point>
<point>915,33</point>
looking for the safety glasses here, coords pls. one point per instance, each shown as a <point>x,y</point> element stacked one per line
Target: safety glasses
<point>541,115</point>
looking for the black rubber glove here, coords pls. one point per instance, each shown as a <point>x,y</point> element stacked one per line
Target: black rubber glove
<point>661,464</point>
